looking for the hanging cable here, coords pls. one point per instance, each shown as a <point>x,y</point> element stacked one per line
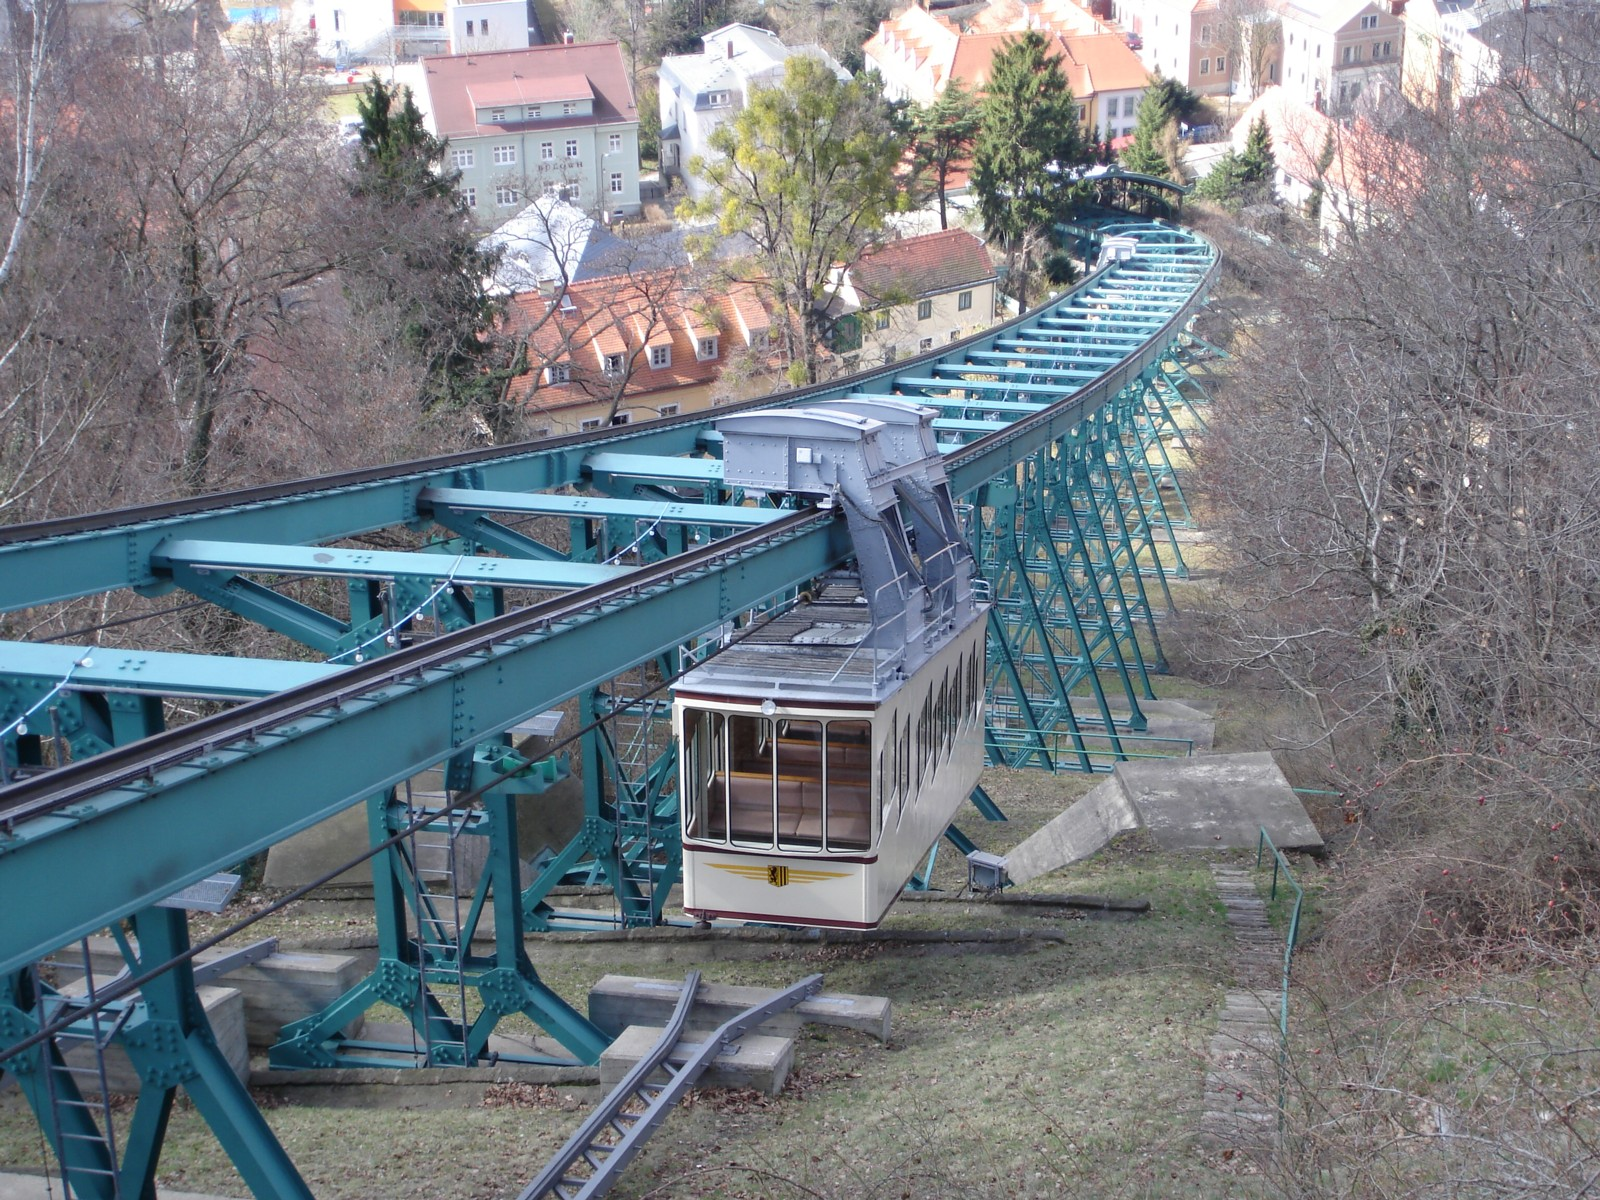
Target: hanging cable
<point>112,624</point>
<point>395,626</point>
<point>21,722</point>
<point>636,543</point>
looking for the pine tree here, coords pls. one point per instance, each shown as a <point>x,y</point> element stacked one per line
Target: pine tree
<point>1242,177</point>
<point>942,135</point>
<point>1257,162</point>
<point>1155,116</point>
<point>1028,137</point>
<point>438,288</point>
<point>398,157</point>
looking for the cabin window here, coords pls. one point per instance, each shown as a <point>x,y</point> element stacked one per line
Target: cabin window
<point>888,773</point>
<point>799,783</point>
<point>904,761</point>
<point>751,762</point>
<point>944,717</point>
<point>850,823</point>
<point>705,814</point>
<point>785,783</point>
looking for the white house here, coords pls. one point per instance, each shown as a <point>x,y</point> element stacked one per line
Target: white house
<point>1182,39</point>
<point>909,296</point>
<point>701,91</point>
<point>1338,53</point>
<point>479,25</point>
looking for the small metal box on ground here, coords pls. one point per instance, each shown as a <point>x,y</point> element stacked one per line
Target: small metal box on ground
<point>986,872</point>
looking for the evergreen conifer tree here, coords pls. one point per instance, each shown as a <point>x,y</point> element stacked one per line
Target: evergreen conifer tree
<point>1029,137</point>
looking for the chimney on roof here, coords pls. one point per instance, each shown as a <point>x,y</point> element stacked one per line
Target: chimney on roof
<point>730,40</point>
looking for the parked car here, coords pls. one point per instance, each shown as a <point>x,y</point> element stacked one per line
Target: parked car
<point>1135,42</point>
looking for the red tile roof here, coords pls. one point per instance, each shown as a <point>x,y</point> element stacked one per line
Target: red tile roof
<point>459,84</point>
<point>923,266</point>
<point>628,314</point>
<point>1101,63</point>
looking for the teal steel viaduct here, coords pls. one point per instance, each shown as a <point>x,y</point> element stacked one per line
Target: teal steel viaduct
<point>1056,427</point>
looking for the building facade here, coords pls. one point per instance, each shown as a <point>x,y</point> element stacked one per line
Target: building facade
<point>483,25</point>
<point>626,348</point>
<point>917,54</point>
<point>1182,39</point>
<point>554,121</point>
<point>700,92</point>
<point>909,296</point>
<point>1337,56</point>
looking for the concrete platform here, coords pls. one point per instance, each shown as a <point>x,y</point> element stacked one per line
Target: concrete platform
<point>619,1001</point>
<point>1082,828</point>
<point>754,1061</point>
<point>1219,801</point>
<point>1209,802</point>
<point>1167,721</point>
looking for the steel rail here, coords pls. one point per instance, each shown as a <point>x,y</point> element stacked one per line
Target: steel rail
<point>216,502</point>
<point>656,1100</point>
<point>69,785</point>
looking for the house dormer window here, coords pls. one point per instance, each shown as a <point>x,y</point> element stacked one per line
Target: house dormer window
<point>613,364</point>
<point>706,349</point>
<point>720,99</point>
<point>660,356</point>
<point>558,373</point>
<point>497,116</point>
<point>534,112</point>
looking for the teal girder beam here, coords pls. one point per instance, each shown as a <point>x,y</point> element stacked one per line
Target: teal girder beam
<point>1017,364</point>
<point>70,562</point>
<point>106,668</point>
<point>256,602</point>
<point>463,500</point>
<point>621,473</point>
<point>428,975</point>
<point>60,560</point>
<point>195,557</point>
<point>405,711</point>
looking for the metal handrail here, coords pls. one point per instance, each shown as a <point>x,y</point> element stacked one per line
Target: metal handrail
<point>1280,866</point>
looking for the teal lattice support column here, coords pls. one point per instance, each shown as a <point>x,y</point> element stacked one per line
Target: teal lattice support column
<point>428,966</point>
<point>170,1044</point>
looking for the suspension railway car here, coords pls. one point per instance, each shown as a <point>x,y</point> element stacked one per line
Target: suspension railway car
<point>818,769</point>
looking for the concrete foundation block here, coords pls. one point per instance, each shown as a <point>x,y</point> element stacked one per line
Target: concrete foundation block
<point>754,1061</point>
<point>287,986</point>
<point>281,988</point>
<point>224,1008</point>
<point>619,1001</point>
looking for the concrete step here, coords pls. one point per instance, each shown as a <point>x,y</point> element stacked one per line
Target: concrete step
<point>279,989</point>
<point>224,1008</point>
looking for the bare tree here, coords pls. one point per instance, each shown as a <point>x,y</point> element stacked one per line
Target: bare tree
<point>1402,467</point>
<point>1251,36</point>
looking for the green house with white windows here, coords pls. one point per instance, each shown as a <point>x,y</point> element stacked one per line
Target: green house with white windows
<point>547,120</point>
